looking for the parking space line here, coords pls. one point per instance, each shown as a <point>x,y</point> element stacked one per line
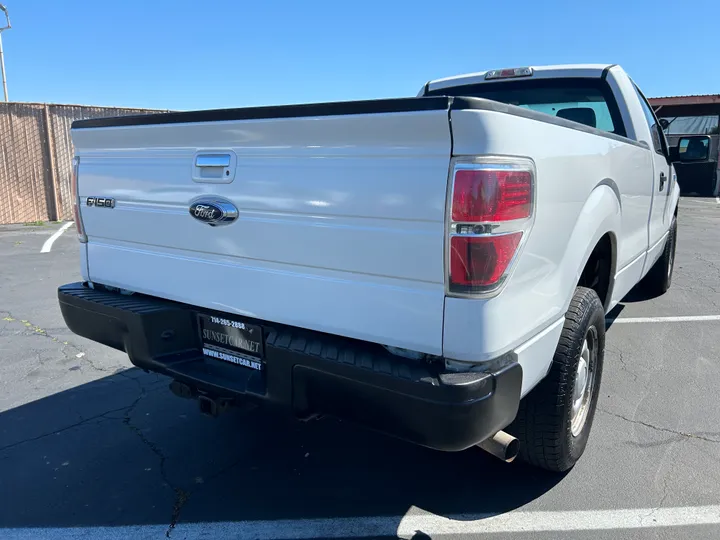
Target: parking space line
<point>691,202</point>
<point>583,520</point>
<point>689,318</point>
<point>402,526</point>
<point>47,246</point>
<point>700,201</point>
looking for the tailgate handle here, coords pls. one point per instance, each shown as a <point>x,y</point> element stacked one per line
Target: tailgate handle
<point>213,160</point>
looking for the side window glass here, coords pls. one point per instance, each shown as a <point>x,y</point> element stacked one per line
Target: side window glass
<point>658,137</point>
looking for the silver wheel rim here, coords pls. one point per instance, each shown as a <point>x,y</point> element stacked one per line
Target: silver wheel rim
<point>671,261</point>
<point>584,382</point>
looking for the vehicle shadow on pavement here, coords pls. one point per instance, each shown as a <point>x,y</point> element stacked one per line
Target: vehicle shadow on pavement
<point>123,450</point>
<point>613,314</point>
<point>639,294</point>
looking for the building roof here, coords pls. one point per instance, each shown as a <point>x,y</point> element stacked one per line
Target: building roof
<point>706,99</point>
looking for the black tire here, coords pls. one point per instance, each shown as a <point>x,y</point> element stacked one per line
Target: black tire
<point>543,422</point>
<point>659,278</point>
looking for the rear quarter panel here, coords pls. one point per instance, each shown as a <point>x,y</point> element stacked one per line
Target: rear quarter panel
<point>587,185</point>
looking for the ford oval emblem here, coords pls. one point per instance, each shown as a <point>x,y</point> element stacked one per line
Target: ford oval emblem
<point>214,211</point>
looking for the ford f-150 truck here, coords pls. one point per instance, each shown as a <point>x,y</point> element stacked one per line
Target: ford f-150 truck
<point>437,268</point>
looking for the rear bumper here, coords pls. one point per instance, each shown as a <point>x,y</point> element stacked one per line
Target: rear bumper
<point>307,372</point>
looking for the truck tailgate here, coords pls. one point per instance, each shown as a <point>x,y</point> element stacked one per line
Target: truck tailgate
<point>340,216</point>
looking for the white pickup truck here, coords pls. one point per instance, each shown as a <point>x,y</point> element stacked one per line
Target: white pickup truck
<point>437,268</point>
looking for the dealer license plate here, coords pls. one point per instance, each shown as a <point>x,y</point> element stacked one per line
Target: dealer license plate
<point>232,341</point>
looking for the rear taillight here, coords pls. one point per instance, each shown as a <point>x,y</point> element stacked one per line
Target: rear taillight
<point>482,260</point>
<point>491,209</point>
<point>76,200</point>
<point>487,195</point>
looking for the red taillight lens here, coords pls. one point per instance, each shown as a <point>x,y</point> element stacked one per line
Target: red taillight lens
<point>76,200</point>
<point>491,195</point>
<point>480,261</point>
<point>491,210</point>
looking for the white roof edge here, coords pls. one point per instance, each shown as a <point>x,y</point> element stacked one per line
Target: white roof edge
<point>539,72</point>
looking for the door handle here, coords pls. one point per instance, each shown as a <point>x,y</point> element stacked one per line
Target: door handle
<point>663,178</point>
<point>213,160</point>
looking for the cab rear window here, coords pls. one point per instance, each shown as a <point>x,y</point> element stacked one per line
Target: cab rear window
<point>586,101</point>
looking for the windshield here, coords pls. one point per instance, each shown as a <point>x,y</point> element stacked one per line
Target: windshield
<point>587,101</point>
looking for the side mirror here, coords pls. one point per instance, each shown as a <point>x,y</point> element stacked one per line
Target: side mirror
<point>664,123</point>
<point>695,148</point>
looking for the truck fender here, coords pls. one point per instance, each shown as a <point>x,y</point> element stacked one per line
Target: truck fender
<point>601,214</point>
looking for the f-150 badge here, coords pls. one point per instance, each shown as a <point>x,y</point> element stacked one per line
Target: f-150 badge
<point>103,202</point>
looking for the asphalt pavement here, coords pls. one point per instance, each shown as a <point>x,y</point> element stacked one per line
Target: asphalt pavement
<point>92,447</point>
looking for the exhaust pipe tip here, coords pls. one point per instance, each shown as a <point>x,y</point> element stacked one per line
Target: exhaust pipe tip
<point>207,406</point>
<point>212,407</point>
<point>181,390</point>
<point>502,445</point>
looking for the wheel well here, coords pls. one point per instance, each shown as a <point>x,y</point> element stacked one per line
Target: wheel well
<point>600,268</point>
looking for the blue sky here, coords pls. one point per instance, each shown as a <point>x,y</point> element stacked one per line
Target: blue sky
<point>217,53</point>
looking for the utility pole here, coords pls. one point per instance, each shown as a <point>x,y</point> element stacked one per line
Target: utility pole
<point>2,57</point>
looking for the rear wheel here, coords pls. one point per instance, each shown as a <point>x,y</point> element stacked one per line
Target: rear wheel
<point>659,278</point>
<point>554,420</point>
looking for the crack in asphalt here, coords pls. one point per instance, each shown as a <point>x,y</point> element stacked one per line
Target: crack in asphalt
<point>654,510</point>
<point>181,496</point>
<point>711,264</point>
<point>623,363</point>
<point>39,331</point>
<point>707,282</point>
<point>666,492</point>
<point>57,431</point>
<point>661,429</point>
